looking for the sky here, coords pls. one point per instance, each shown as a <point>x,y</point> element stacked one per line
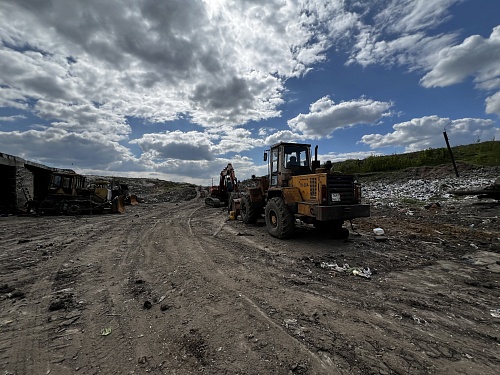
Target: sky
<point>177,89</point>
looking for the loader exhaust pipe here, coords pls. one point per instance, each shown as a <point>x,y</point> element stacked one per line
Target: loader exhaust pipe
<point>315,163</point>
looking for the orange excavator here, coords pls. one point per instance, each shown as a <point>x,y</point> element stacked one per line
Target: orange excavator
<point>228,184</point>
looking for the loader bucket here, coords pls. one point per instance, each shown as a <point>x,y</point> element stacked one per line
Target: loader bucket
<point>118,204</point>
<point>133,199</point>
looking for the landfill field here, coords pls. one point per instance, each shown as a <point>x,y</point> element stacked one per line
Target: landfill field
<point>174,287</point>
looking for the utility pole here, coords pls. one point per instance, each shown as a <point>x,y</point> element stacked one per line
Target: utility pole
<point>449,150</point>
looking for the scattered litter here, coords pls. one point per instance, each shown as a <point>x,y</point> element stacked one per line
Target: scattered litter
<point>335,266</point>
<point>379,234</point>
<point>365,272</point>
<point>290,322</point>
<point>495,313</point>
<point>106,331</point>
<point>147,305</point>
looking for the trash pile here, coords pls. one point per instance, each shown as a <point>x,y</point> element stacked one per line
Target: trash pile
<point>385,192</point>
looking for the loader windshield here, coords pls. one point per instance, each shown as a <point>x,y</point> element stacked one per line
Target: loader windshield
<point>297,156</point>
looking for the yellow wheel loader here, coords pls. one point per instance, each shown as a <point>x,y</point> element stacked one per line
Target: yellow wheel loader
<point>296,188</point>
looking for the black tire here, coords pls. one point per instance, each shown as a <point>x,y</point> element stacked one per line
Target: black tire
<point>73,209</point>
<point>280,221</point>
<point>249,212</point>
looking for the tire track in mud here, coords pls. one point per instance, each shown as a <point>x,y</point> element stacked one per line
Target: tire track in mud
<point>337,351</point>
<point>278,312</point>
<point>168,239</point>
<point>76,343</point>
<point>322,363</point>
<point>35,346</point>
<point>397,319</point>
<point>237,301</point>
<point>113,306</point>
<point>132,258</point>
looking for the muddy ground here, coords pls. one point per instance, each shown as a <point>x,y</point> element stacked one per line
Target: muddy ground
<point>177,288</point>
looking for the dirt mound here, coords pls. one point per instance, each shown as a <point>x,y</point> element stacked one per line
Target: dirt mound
<point>151,190</point>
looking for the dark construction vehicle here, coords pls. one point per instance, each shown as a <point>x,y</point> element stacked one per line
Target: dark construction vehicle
<point>219,195</point>
<point>68,193</point>
<point>297,188</point>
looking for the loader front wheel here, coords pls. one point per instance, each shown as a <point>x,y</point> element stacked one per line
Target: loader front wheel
<point>248,211</point>
<point>280,221</point>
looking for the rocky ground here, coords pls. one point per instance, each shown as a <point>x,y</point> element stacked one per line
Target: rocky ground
<point>173,287</point>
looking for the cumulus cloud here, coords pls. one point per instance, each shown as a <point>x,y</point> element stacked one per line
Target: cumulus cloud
<point>475,56</point>
<point>336,157</point>
<point>11,118</point>
<point>426,132</point>
<point>325,116</point>
<point>60,148</point>
<point>493,104</point>
<point>283,136</point>
<point>220,63</point>
<point>234,140</point>
<point>86,67</point>
<point>180,145</point>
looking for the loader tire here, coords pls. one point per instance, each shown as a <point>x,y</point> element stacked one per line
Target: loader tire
<point>248,210</point>
<point>280,221</point>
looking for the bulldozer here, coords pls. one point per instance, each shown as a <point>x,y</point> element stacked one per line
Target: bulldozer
<point>297,188</point>
<point>68,193</point>
<point>228,184</point>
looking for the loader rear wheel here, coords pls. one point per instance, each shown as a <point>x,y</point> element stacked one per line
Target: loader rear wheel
<point>280,221</point>
<point>248,211</point>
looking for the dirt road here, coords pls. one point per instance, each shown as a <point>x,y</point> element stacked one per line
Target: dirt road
<point>175,288</point>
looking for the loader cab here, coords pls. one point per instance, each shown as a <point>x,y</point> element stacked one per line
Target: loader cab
<point>287,160</point>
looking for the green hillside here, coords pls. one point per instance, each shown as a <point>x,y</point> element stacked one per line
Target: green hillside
<point>479,154</point>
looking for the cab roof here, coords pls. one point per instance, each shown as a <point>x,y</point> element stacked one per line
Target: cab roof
<point>290,144</point>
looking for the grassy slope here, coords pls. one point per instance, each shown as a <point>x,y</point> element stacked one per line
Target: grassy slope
<point>479,154</point>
